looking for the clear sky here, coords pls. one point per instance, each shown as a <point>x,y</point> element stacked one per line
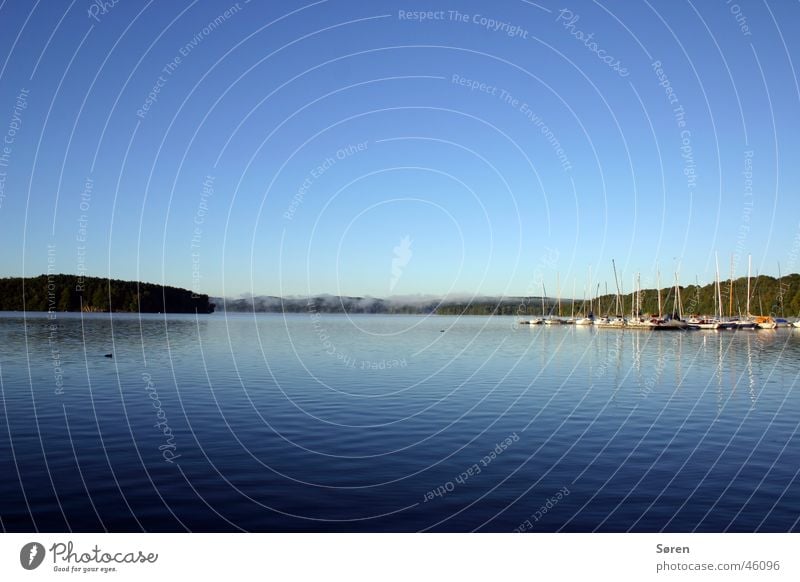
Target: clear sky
<point>362,148</point>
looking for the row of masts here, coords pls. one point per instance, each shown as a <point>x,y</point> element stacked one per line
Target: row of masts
<point>637,295</point>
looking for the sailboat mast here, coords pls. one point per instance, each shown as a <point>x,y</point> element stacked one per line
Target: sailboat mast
<point>633,297</point>
<point>583,301</point>
<point>730,299</point>
<point>697,296</point>
<point>716,303</point>
<point>558,293</point>
<point>749,262</point>
<point>675,297</point>
<point>572,311</point>
<point>616,282</point>
<point>719,291</point>
<point>598,297</point>
<point>658,288</point>
<point>543,293</point>
<point>638,294</point>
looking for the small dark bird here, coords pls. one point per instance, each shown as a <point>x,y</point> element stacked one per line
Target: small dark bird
<point>109,355</point>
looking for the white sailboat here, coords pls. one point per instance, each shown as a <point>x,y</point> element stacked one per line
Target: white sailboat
<point>588,318</point>
<point>551,320</point>
<point>711,323</point>
<point>617,320</point>
<point>637,319</point>
<point>571,320</point>
<point>747,321</point>
<point>729,323</point>
<point>536,320</point>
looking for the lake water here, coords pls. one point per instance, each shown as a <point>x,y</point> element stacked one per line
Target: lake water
<point>393,423</point>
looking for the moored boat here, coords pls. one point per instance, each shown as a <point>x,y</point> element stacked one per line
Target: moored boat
<point>765,322</point>
<point>703,323</point>
<point>637,320</point>
<point>610,321</point>
<point>616,320</point>
<point>669,323</point>
<point>747,322</point>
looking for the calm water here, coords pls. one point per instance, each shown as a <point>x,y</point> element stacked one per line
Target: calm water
<point>386,423</point>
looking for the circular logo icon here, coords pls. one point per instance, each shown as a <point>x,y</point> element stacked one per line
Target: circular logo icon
<point>31,555</point>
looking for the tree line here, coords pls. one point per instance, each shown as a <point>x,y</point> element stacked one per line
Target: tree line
<point>768,296</point>
<point>73,293</point>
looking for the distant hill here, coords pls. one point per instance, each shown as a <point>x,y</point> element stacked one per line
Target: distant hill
<point>319,304</point>
<point>402,305</point>
<point>73,293</point>
<point>781,297</point>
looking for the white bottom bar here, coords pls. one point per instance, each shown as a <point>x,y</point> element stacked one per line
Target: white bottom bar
<point>389,557</point>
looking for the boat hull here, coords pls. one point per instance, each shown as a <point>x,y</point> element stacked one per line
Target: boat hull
<point>705,325</point>
<point>668,325</point>
<point>610,322</point>
<point>766,322</point>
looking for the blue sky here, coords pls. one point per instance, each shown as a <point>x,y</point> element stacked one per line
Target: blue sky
<point>508,143</point>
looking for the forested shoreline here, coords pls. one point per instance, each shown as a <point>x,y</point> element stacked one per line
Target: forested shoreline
<point>768,295</point>
<point>73,293</point>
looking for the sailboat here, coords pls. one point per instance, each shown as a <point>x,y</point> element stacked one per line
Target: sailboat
<point>571,319</point>
<point>637,320</point>
<point>556,321</point>
<point>536,320</point>
<point>781,321</point>
<point>618,320</point>
<point>703,323</point>
<point>588,318</point>
<point>712,323</point>
<point>729,323</point>
<point>765,322</point>
<point>673,322</point>
<point>718,316</point>
<point>747,322</point>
